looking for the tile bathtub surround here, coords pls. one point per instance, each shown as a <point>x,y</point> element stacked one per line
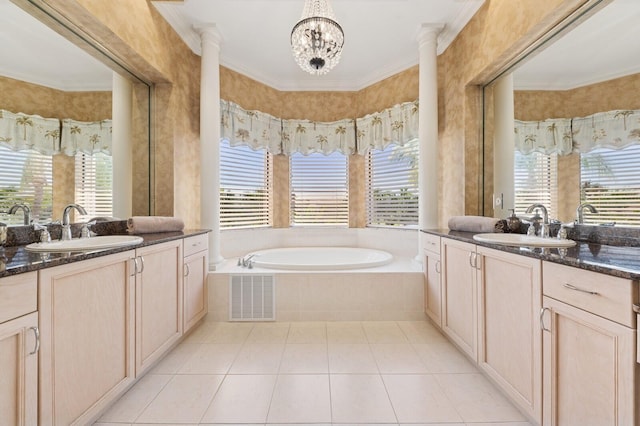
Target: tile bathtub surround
<point>352,372</point>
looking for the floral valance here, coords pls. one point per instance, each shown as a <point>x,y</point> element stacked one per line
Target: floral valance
<point>548,136</point>
<point>86,137</point>
<point>397,125</point>
<point>612,129</point>
<point>307,137</point>
<point>252,128</point>
<point>21,132</point>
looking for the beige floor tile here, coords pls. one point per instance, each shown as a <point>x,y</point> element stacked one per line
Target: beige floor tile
<point>347,358</point>
<point>443,357</point>
<point>301,399</point>
<point>419,398</point>
<point>241,399</point>
<point>304,358</point>
<point>175,359</point>
<point>229,332</point>
<point>211,358</point>
<point>383,332</point>
<point>399,358</point>
<point>499,424</point>
<point>307,332</point>
<point>360,399</point>
<point>275,332</point>
<point>183,400</point>
<point>260,358</point>
<point>111,424</point>
<point>346,332</point>
<point>421,332</point>
<point>131,404</point>
<point>477,400</point>
<point>201,333</point>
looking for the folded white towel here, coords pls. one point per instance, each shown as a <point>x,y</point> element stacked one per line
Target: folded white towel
<point>153,224</point>
<point>473,223</point>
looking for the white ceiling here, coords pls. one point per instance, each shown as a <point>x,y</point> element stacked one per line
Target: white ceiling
<point>380,36</point>
<point>33,52</point>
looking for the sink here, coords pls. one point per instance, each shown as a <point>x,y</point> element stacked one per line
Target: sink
<point>521,240</point>
<point>86,244</point>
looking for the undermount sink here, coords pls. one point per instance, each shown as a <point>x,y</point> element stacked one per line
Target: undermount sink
<point>521,240</point>
<point>86,244</point>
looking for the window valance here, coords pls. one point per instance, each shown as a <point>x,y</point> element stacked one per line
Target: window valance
<point>547,136</point>
<point>612,129</point>
<point>396,125</point>
<point>252,128</point>
<point>20,132</point>
<point>307,137</point>
<point>86,137</point>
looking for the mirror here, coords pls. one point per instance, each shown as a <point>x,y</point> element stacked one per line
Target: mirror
<point>42,73</point>
<point>591,67</point>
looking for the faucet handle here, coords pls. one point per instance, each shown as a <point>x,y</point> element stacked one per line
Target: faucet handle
<point>86,232</point>
<point>45,236</point>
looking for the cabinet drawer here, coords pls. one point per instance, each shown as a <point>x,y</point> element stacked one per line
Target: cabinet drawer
<point>430,242</point>
<point>195,244</point>
<point>601,294</point>
<point>18,295</point>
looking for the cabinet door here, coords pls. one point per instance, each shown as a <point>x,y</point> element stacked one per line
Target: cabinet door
<point>195,288</point>
<point>19,371</point>
<point>86,329</point>
<point>432,287</point>
<point>460,295</point>
<point>158,301</point>
<point>589,369</point>
<point>510,339</point>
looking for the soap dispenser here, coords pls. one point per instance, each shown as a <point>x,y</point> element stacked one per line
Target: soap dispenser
<point>513,221</point>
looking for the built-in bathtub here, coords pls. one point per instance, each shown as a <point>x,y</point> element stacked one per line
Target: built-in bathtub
<point>319,258</point>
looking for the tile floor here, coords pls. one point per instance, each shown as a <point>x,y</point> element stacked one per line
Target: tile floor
<point>314,373</point>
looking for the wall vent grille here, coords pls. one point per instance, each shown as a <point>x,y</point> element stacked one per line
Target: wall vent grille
<point>252,298</point>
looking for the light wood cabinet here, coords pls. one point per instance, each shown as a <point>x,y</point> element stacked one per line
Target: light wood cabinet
<point>158,294</point>
<point>432,283</point>
<point>195,299</point>
<point>87,337</point>
<point>510,339</point>
<point>460,295</point>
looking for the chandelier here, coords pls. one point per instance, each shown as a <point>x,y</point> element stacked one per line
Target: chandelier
<point>317,39</point>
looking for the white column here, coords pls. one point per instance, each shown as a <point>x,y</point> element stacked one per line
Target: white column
<point>121,149</point>
<point>428,128</point>
<point>210,139</point>
<point>503,146</point>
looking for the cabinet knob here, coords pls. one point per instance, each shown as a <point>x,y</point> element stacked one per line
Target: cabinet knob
<point>186,270</point>
<point>36,333</point>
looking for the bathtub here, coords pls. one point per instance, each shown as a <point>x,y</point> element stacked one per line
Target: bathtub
<point>320,258</point>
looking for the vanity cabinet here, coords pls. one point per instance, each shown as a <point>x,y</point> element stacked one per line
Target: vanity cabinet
<point>158,301</point>
<point>87,313</point>
<point>19,343</point>
<point>509,336</point>
<point>195,299</point>
<point>460,295</point>
<point>432,282</point>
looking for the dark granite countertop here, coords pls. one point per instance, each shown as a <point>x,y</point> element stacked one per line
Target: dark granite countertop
<point>16,259</point>
<point>619,261</point>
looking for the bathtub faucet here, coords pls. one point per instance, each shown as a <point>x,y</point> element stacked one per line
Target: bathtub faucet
<point>246,262</point>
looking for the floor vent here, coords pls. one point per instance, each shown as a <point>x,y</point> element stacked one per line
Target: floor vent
<point>252,298</point>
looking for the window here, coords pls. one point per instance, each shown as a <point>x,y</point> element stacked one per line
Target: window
<point>26,177</point>
<point>319,189</point>
<point>535,181</point>
<point>610,180</point>
<point>245,187</point>
<point>392,185</point>
<point>94,185</point>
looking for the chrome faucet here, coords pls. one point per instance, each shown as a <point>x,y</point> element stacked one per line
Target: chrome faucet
<point>26,212</point>
<point>544,227</point>
<point>580,209</point>
<point>66,226</point>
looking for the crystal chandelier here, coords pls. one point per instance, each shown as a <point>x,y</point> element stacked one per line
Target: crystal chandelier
<point>317,39</point>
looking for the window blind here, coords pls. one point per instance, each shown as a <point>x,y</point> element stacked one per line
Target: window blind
<point>535,181</point>
<point>26,177</point>
<point>94,185</point>
<point>392,185</point>
<point>245,187</point>
<point>610,180</point>
<point>319,189</point>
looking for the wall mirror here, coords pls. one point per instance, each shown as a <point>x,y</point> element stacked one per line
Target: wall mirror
<point>559,152</point>
<point>49,75</point>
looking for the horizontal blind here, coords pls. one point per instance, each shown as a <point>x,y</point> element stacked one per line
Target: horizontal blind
<point>26,178</point>
<point>319,189</point>
<point>535,181</point>
<point>610,180</point>
<point>94,185</point>
<point>245,187</point>
<point>392,185</point>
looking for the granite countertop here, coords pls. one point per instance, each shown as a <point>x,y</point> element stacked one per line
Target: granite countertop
<point>619,261</point>
<point>16,259</point>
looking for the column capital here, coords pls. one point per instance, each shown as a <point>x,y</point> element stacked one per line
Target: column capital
<point>429,32</point>
<point>209,33</point>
